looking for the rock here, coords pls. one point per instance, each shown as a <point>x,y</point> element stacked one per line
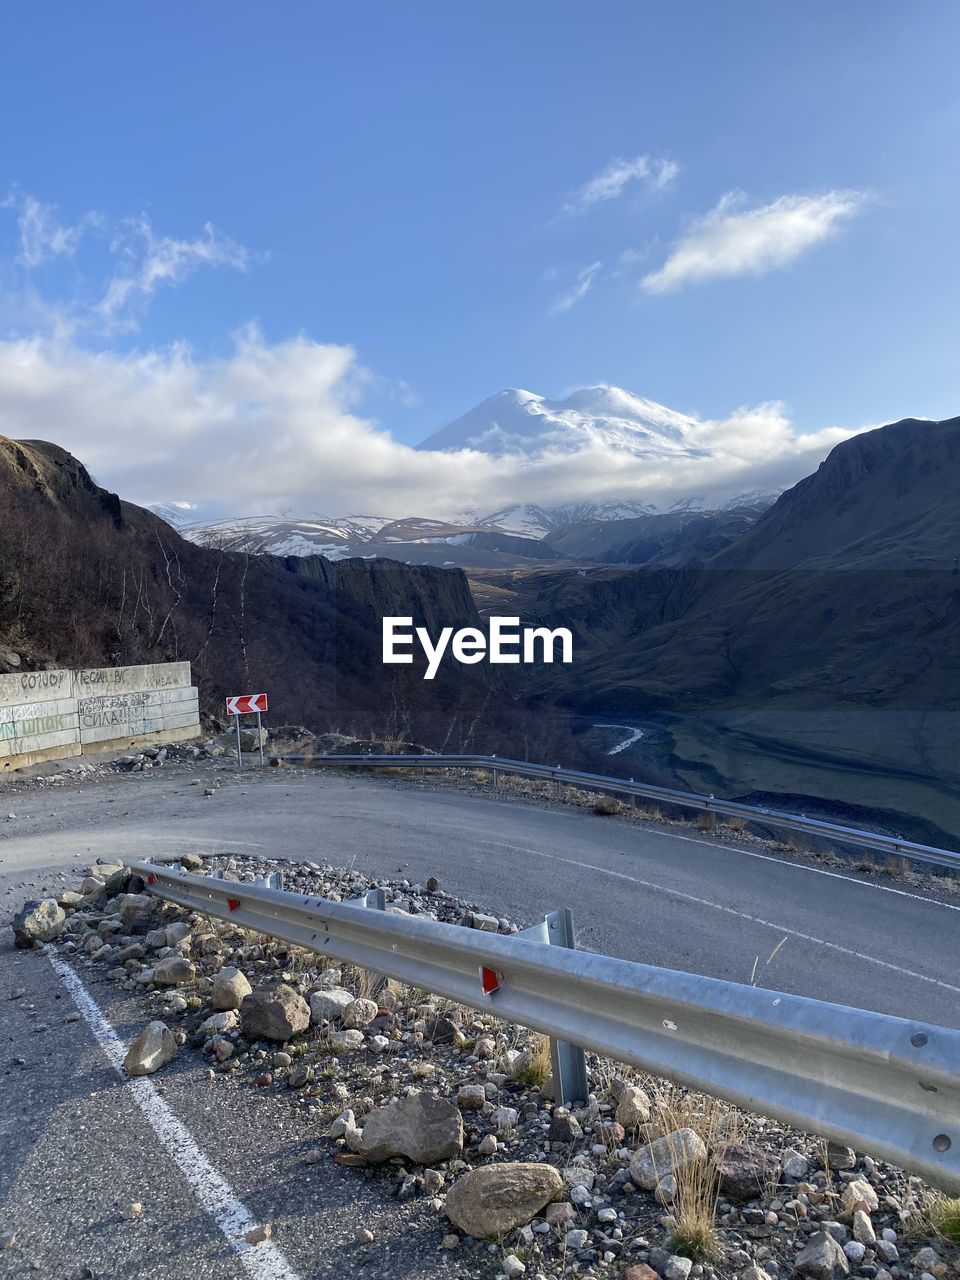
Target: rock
<point>176,932</point>
<point>155,939</point>
<point>744,1172</point>
<point>39,921</point>
<point>506,1117</point>
<point>493,1200</point>
<point>274,1013</point>
<point>152,1049</point>
<point>855,1251</point>
<point>822,1258</point>
<point>346,1041</point>
<point>217,1023</point>
<point>358,1014</point>
<point>328,1005</point>
<point>863,1228</point>
<point>840,1157</point>
<point>420,1127</point>
<point>677,1268</point>
<point>443,1030</point>
<point>606,806</point>
<point>673,1152</point>
<point>489,924</point>
<point>364,1236</point>
<point>471,1097</point>
<point>133,907</point>
<point>8,1239</point>
<point>859,1194</point>
<point>640,1271</point>
<point>450,1241</point>
<point>174,970</point>
<point>300,1075</point>
<point>257,1235</point>
<point>229,989</point>
<point>576,1238</point>
<point>560,1213</point>
<point>633,1109</point>
<point>487,1146</point>
<point>512,1266</point>
<point>795,1166</point>
<point>666,1191</point>
<point>191,862</point>
<point>564,1127</point>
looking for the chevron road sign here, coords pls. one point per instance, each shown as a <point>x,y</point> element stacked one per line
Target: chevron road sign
<point>244,704</point>
<point>247,704</point>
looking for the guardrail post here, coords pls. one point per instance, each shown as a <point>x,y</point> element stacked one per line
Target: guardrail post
<point>568,1062</point>
<point>496,773</point>
<point>556,781</point>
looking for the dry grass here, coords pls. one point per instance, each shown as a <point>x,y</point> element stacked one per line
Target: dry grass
<point>942,1215</point>
<point>894,865</point>
<point>537,1063</point>
<point>694,1208</point>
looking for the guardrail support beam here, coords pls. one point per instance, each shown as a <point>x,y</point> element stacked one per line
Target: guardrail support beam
<point>568,1062</point>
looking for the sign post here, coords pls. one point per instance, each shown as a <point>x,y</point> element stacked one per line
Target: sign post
<point>245,704</point>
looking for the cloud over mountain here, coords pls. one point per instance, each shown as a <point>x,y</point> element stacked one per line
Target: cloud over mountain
<point>279,426</point>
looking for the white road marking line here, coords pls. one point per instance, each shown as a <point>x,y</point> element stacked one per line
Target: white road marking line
<point>262,1261</point>
<point>742,915</point>
<point>802,866</point>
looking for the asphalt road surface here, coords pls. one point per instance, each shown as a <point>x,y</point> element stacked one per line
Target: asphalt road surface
<point>78,1146</point>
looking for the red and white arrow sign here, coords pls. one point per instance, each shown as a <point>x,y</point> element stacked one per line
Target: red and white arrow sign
<point>245,704</point>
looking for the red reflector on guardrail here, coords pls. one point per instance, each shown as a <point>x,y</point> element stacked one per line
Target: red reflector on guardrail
<point>490,980</point>
<point>233,904</point>
<point>151,879</point>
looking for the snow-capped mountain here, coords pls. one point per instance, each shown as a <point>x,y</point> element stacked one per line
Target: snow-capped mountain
<point>532,521</point>
<point>512,423</point>
<point>520,422</point>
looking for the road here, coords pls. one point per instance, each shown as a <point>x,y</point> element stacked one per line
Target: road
<point>78,1148</point>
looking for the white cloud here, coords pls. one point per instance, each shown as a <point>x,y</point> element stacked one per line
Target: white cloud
<point>733,241</point>
<point>278,427</point>
<point>609,183</point>
<point>584,283</point>
<point>42,235</point>
<point>151,261</point>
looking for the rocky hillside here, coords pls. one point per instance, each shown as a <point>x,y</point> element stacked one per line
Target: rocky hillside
<point>86,579</point>
<point>815,659</point>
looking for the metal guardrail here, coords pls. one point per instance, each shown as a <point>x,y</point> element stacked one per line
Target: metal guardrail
<point>887,1086</point>
<point>854,836</point>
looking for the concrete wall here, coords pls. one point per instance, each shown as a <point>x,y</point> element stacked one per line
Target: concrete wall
<point>51,715</point>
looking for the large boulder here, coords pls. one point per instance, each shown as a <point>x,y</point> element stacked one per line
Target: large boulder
<point>172,970</point>
<point>420,1127</point>
<point>494,1199</point>
<point>633,1107</point>
<point>359,1013</point>
<point>39,921</point>
<point>152,1049</point>
<point>328,1005</point>
<point>274,1013</point>
<point>672,1153</point>
<point>745,1172</point>
<point>228,989</point>
<point>134,908</point>
<point>822,1259</point>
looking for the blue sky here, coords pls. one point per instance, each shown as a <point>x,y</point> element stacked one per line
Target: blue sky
<point>772,217</point>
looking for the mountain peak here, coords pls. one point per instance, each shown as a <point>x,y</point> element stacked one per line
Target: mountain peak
<point>519,421</point>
